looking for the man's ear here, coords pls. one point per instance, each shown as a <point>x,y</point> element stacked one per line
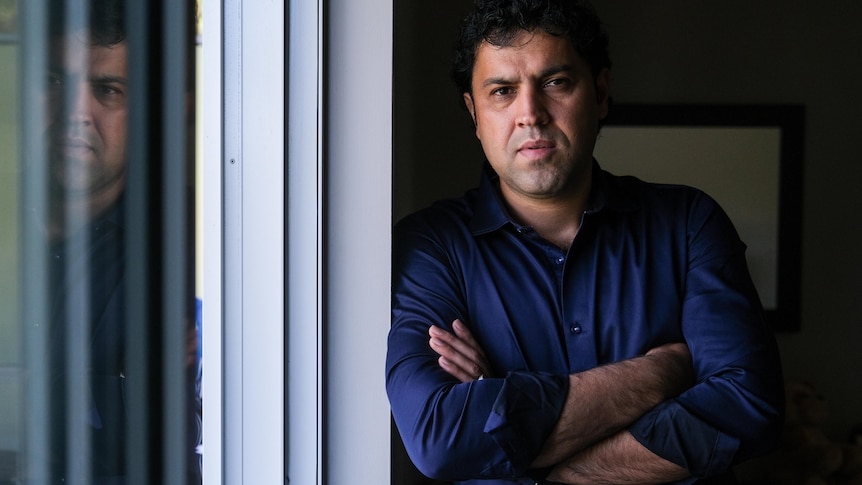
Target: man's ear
<point>468,101</point>
<point>603,92</point>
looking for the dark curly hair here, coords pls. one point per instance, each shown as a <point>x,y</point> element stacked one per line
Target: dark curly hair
<point>499,21</point>
<point>104,19</point>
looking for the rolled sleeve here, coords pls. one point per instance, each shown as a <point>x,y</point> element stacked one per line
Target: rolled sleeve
<point>492,428</point>
<point>680,437</point>
<point>524,414</point>
<point>735,409</point>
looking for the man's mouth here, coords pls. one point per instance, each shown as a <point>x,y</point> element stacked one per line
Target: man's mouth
<point>537,148</point>
<point>74,147</point>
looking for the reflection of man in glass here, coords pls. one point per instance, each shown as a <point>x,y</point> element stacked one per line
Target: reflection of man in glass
<point>88,119</point>
<point>87,122</point>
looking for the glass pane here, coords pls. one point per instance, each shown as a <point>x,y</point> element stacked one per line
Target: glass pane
<point>92,390</point>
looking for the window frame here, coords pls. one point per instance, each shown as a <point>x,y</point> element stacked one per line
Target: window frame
<point>243,231</point>
<point>306,390</point>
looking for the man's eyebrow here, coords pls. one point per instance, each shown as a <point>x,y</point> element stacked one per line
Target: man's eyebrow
<point>108,79</point>
<point>556,70</point>
<point>496,81</point>
<point>549,71</point>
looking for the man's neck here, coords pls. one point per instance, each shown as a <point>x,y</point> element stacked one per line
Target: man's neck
<point>556,219</point>
<point>70,215</point>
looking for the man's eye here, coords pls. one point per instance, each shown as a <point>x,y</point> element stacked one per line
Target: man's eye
<point>501,91</point>
<point>106,90</point>
<point>555,82</point>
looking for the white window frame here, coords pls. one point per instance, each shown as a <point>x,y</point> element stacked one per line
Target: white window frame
<point>330,407</point>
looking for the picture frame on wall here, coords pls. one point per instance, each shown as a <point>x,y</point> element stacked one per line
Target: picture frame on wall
<point>748,158</point>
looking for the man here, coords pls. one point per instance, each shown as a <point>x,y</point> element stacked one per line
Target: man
<point>584,328</point>
<point>87,108</point>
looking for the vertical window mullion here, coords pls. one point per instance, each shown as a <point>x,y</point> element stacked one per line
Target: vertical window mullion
<point>253,293</point>
<point>33,53</point>
<point>305,245</point>
<point>143,306</point>
<point>263,248</point>
<point>177,230</point>
<point>158,278</point>
<point>141,309</point>
<point>213,244</point>
<point>232,168</point>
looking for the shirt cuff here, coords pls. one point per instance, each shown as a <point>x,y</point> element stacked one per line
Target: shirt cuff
<point>525,412</point>
<point>676,435</point>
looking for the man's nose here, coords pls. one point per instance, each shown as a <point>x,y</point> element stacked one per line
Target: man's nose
<point>531,107</point>
<point>79,104</point>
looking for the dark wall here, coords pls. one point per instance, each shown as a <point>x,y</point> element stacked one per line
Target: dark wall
<point>436,152</point>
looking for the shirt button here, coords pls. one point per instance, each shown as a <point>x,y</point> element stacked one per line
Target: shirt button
<point>575,328</point>
<point>561,260</point>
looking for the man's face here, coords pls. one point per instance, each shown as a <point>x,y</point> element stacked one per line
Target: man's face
<point>87,117</point>
<point>537,107</point>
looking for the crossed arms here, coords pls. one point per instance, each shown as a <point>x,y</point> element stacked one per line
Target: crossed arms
<point>589,443</point>
<point>639,419</point>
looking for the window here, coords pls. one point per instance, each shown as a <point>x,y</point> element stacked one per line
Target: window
<point>294,251</point>
<point>99,317</point>
<point>337,240</point>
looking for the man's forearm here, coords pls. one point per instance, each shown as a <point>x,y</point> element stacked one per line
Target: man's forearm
<point>618,460</point>
<point>605,400</point>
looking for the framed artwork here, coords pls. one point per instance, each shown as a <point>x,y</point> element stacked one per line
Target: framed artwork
<point>748,158</point>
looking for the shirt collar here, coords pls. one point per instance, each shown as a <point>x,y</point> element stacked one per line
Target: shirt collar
<point>490,213</point>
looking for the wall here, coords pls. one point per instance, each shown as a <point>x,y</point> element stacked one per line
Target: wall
<point>678,51</point>
<point>435,152</point>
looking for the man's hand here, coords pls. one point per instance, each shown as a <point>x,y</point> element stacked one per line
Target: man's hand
<point>460,354</point>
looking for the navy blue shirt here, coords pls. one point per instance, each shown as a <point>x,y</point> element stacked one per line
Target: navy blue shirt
<point>88,298</point>
<point>88,294</point>
<point>651,264</point>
